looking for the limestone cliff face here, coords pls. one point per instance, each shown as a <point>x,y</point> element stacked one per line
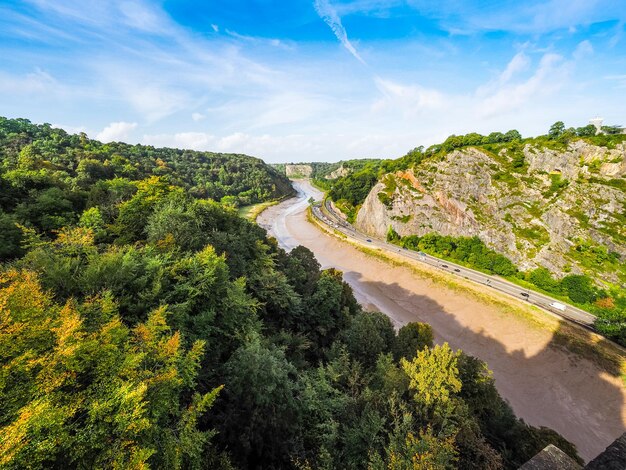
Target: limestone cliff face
<point>537,214</point>
<point>298,171</point>
<point>338,173</point>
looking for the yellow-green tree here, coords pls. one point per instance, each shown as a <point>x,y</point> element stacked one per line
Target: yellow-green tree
<point>434,375</point>
<point>80,389</point>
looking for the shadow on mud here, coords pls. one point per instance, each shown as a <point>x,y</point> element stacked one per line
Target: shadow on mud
<point>568,385</point>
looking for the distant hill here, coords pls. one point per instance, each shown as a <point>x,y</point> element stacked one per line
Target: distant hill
<point>48,176</point>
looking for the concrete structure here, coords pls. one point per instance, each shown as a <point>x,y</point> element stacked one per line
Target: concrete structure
<point>598,122</point>
<point>553,458</point>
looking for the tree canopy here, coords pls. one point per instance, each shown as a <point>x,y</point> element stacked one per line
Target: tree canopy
<point>144,325</point>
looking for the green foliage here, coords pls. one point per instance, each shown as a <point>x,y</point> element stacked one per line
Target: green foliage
<point>48,169</point>
<point>80,389</point>
<point>355,187</point>
<point>10,237</point>
<point>556,130</point>
<point>586,131</point>
<point>369,335</point>
<point>557,184</point>
<point>413,337</point>
<point>465,250</point>
<point>144,325</point>
<point>392,235</point>
<point>433,375</point>
<point>579,288</point>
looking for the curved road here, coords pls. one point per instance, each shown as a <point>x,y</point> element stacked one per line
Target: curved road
<point>570,313</point>
<point>545,384</point>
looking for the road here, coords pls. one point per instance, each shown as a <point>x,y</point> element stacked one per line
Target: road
<point>571,313</point>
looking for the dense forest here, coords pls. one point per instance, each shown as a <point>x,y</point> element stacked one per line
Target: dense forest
<point>145,325</point>
<point>48,178</point>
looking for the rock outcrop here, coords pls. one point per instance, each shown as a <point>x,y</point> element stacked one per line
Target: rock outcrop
<point>298,171</point>
<point>538,210</point>
<point>338,173</point>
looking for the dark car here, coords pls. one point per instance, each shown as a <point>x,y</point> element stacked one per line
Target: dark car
<point>444,265</point>
<point>369,240</point>
<point>457,270</point>
<point>524,294</point>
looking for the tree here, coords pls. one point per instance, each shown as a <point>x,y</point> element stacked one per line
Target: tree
<point>556,130</point>
<point>612,130</point>
<point>579,288</point>
<point>423,451</point>
<point>10,238</point>
<point>543,279</point>
<point>512,135</point>
<point>80,389</point>
<point>135,213</point>
<point>413,337</point>
<point>392,235</point>
<point>586,131</point>
<point>301,268</point>
<point>369,335</point>
<point>434,375</point>
<point>327,311</point>
<point>260,414</point>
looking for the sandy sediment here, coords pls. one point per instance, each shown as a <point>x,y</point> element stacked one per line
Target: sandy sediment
<point>545,385</point>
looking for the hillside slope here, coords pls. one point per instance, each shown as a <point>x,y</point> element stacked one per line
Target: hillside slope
<point>49,177</point>
<point>559,209</point>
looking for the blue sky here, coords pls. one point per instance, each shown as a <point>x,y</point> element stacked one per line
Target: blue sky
<point>302,80</point>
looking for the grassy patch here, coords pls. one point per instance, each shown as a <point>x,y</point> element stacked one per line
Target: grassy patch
<point>252,211</point>
<point>404,218</point>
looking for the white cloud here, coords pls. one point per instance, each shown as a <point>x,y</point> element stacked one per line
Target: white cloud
<point>116,132</point>
<point>34,82</point>
<point>185,140</point>
<point>518,63</point>
<point>328,13</point>
<point>583,49</point>
<point>198,116</point>
<point>620,80</point>
<point>411,99</point>
<point>216,28</point>
<point>154,101</point>
<point>548,77</point>
<point>261,40</point>
<point>142,17</point>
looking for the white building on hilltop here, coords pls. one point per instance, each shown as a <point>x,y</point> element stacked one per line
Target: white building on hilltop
<point>597,123</point>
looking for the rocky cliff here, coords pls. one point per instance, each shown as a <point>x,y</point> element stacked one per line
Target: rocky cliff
<point>562,209</point>
<point>298,171</point>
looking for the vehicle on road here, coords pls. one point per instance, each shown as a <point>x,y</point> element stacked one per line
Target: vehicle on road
<point>369,240</point>
<point>457,270</point>
<point>524,294</point>
<point>444,265</point>
<point>558,306</point>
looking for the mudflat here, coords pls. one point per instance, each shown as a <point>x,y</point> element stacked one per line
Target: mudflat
<point>545,384</point>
